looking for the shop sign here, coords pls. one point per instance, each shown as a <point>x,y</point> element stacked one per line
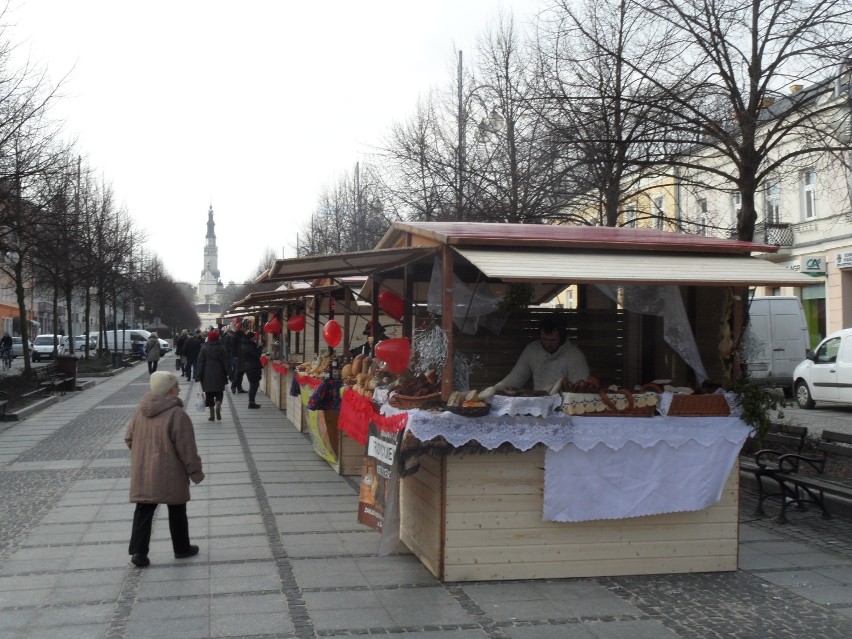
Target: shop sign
<point>844,260</point>
<point>813,265</point>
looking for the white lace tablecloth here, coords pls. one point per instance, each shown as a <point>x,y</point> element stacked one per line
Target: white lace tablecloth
<point>535,406</point>
<point>492,430</point>
<point>629,474</point>
<point>557,430</point>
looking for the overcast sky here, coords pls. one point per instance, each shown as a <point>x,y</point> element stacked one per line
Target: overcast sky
<point>250,106</point>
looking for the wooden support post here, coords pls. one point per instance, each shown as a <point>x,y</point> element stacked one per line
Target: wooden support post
<point>447,320</point>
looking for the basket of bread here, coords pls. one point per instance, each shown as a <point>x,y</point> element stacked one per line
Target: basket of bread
<point>416,391</point>
<point>467,404</point>
<point>587,398</point>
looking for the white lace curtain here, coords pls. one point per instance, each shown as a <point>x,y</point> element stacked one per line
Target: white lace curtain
<point>665,302</point>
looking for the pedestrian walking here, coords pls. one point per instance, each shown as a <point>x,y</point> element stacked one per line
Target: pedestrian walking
<point>212,373</point>
<point>237,364</point>
<point>253,368</point>
<point>152,352</point>
<point>163,460</point>
<point>191,349</point>
<point>179,342</point>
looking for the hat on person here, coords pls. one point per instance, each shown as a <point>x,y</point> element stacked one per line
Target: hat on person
<point>368,330</point>
<point>162,382</point>
<point>212,336</point>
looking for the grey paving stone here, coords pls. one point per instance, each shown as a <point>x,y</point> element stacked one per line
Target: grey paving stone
<point>88,631</point>
<point>798,578</point>
<point>351,619</point>
<point>234,625</point>
<point>249,604</point>
<point>193,627</point>
<point>241,584</point>
<point>320,573</point>
<point>176,608</point>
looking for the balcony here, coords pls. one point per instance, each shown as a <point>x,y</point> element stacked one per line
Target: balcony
<point>774,233</point>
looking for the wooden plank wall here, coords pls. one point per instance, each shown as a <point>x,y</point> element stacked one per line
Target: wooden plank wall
<point>600,334</point>
<point>350,455</point>
<point>421,512</point>
<point>494,528</point>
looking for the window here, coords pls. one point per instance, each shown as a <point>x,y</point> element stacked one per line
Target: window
<point>772,202</point>
<point>809,194</point>
<point>736,206</point>
<point>630,215</point>
<point>827,353</point>
<point>701,215</point>
<point>658,210</point>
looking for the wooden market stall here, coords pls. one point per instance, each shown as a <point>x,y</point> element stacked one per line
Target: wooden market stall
<point>476,511</point>
<point>314,301</point>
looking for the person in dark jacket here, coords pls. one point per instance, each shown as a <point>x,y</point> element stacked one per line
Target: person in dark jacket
<point>191,349</point>
<point>253,368</point>
<point>237,364</point>
<point>179,342</point>
<point>212,373</point>
<point>163,459</point>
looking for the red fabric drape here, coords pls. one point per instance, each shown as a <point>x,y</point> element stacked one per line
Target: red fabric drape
<point>356,413</point>
<point>306,380</point>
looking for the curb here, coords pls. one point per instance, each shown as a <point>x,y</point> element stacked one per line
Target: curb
<point>35,407</point>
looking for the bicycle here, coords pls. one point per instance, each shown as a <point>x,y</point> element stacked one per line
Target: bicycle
<point>6,356</point>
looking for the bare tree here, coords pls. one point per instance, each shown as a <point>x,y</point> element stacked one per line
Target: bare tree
<point>734,116</point>
<point>596,61</point>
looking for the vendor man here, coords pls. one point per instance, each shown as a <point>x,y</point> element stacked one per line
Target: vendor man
<point>545,361</point>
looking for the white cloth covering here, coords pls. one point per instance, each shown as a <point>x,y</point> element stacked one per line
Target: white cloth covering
<point>608,467</point>
<point>661,465</point>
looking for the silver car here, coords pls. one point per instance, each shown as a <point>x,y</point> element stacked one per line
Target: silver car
<point>18,347</point>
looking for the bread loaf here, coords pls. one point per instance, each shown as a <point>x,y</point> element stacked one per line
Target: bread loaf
<point>365,364</point>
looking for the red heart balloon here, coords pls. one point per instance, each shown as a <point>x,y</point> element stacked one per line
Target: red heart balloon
<point>395,353</point>
<point>392,304</point>
<point>332,333</point>
<point>296,323</point>
<point>273,326</point>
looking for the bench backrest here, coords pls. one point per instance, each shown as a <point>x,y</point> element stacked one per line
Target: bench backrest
<point>835,443</point>
<point>786,438</point>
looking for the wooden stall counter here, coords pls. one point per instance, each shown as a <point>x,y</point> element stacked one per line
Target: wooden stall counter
<point>477,514</point>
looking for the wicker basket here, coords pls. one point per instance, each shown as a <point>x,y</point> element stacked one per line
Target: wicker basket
<point>699,406</point>
<point>469,411</point>
<point>407,402</point>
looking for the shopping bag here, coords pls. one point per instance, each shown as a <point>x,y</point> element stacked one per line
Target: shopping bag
<point>199,402</point>
<point>177,363</point>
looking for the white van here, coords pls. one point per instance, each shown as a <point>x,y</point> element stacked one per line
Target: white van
<point>776,340</point>
<point>123,340</point>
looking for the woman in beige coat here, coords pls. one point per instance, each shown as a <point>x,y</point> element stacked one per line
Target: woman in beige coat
<point>163,459</point>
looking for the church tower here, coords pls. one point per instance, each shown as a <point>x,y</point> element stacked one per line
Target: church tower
<point>208,297</point>
<point>211,253</point>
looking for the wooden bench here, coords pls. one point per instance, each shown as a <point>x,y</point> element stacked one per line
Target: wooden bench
<point>48,380</point>
<point>809,479</point>
<point>763,464</point>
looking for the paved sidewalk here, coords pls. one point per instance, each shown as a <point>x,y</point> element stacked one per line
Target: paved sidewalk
<point>283,556</point>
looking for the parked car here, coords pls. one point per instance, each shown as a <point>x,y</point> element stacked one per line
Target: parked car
<point>18,347</point>
<point>43,346</point>
<point>79,344</point>
<point>826,374</point>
